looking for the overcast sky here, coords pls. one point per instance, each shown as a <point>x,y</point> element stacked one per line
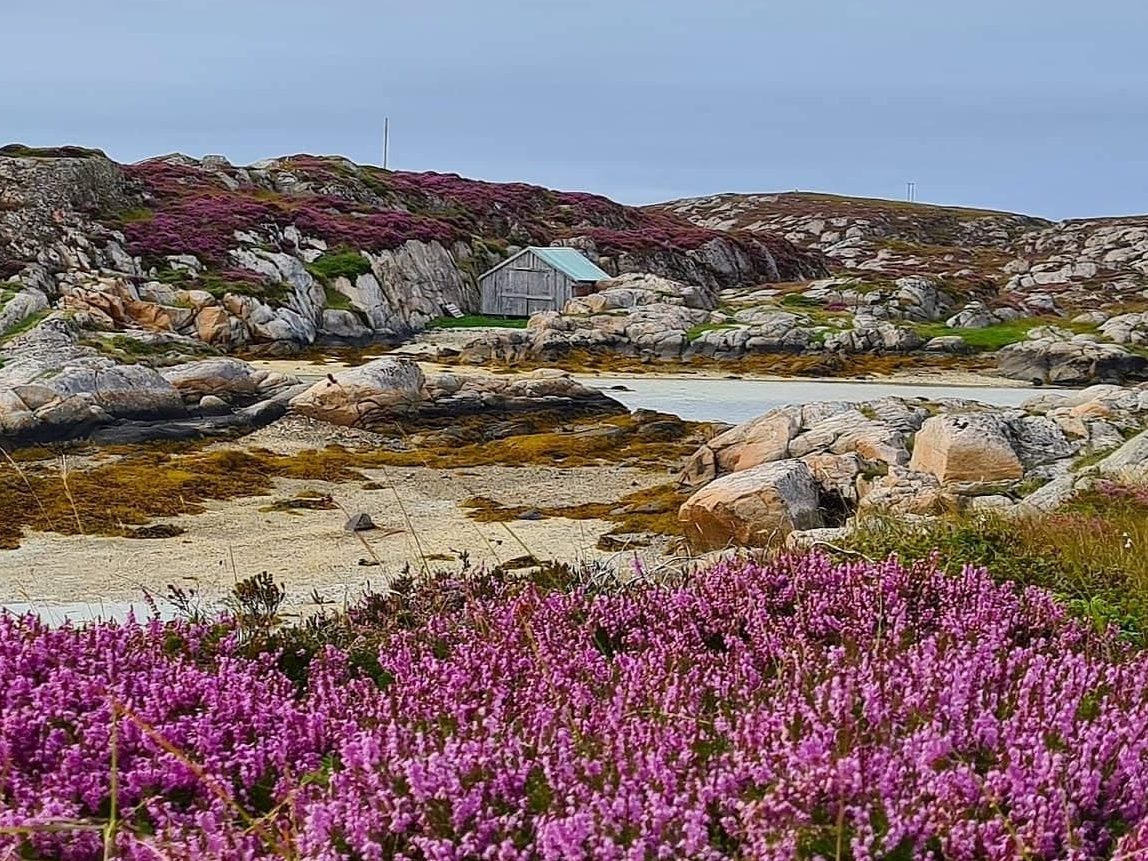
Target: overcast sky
<point>1038,106</point>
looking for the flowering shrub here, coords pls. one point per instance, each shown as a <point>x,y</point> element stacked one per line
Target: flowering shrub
<point>799,709</point>
<point>197,215</point>
<point>1116,492</point>
<point>366,208</point>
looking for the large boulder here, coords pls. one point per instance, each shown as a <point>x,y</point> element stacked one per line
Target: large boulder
<point>1128,463</point>
<point>752,508</point>
<point>751,444</point>
<point>966,447</point>
<point>361,396</point>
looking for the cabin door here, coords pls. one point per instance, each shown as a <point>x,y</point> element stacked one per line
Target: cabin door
<point>530,291</point>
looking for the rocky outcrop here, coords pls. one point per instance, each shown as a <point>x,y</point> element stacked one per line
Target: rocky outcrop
<point>1085,264</point>
<point>882,237</point>
<point>875,432</point>
<point>1071,361</point>
<point>962,453</point>
<point>394,390</point>
<point>288,252</point>
<point>45,211</point>
<point>756,507</point>
<point>652,318</point>
<point>52,387</point>
<point>366,395</point>
<point>229,380</point>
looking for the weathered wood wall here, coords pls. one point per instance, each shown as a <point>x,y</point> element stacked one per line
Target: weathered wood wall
<point>523,287</point>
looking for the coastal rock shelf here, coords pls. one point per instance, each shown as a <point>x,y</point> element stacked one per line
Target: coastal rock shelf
<point>908,457</point>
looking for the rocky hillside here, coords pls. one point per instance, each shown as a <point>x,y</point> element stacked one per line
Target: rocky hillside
<point>881,237</point>
<point>1084,264</point>
<point>281,254</point>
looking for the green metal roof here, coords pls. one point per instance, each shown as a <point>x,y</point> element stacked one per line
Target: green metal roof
<point>570,262</point>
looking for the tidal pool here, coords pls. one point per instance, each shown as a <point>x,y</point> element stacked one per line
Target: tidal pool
<point>735,401</point>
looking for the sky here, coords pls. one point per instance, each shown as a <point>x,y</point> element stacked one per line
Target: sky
<point>1036,106</point>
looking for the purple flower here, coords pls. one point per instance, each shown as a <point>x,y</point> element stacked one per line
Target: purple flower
<point>765,711</point>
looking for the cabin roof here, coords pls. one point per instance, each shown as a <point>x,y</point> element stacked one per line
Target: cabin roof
<point>569,261</point>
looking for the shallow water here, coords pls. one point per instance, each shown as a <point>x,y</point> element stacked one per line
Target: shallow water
<point>735,401</point>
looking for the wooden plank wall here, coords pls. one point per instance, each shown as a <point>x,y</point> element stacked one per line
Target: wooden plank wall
<point>524,287</point>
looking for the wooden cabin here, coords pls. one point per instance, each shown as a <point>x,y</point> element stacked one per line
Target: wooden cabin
<point>537,279</point>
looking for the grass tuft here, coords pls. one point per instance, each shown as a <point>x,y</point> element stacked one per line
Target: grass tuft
<point>342,263</point>
<point>478,321</point>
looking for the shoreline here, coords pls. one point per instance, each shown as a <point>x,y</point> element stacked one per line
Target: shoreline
<point>309,369</point>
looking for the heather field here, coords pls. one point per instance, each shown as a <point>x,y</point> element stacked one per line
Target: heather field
<point>800,708</point>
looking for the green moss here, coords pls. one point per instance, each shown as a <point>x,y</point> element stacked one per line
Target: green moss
<point>176,278</point>
<point>336,300</point>
<point>1085,461</point>
<point>136,347</point>
<point>478,321</point>
<point>131,216</point>
<point>22,151</point>
<point>799,300</point>
<point>219,286</point>
<point>23,326</point>
<point>130,350</point>
<point>342,263</point>
<point>695,332</point>
<point>990,338</point>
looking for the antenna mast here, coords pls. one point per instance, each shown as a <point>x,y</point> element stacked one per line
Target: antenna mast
<point>386,142</point>
<point>911,192</point>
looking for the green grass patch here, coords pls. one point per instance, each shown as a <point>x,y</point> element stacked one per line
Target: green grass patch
<point>799,300</point>
<point>1085,461</point>
<point>695,332</point>
<point>132,216</point>
<point>478,321</point>
<point>134,347</point>
<point>23,326</point>
<point>988,339</point>
<point>994,337</point>
<point>336,300</point>
<point>342,263</point>
<point>22,151</point>
<point>219,286</point>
